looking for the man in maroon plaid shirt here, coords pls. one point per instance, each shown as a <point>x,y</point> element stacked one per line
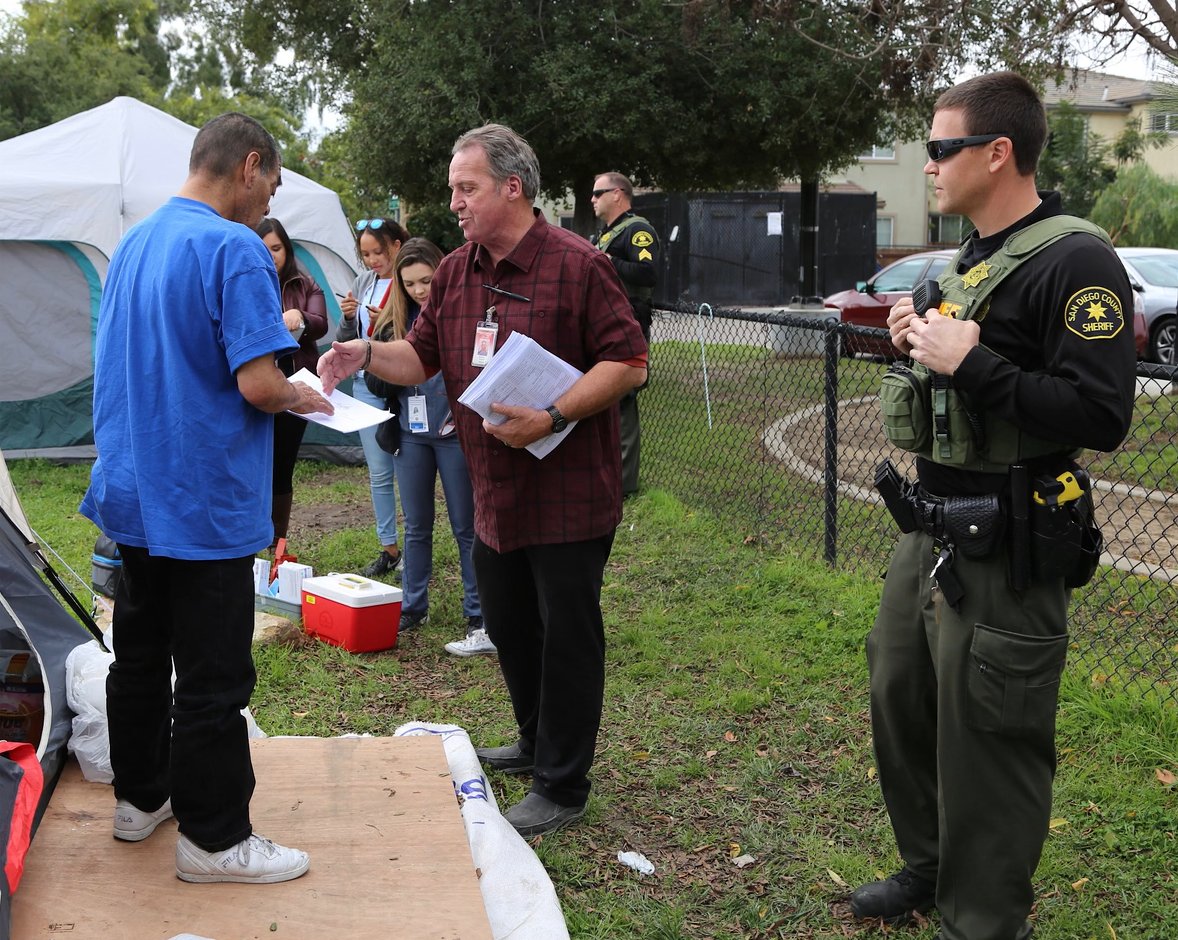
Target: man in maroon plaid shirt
<point>543,528</point>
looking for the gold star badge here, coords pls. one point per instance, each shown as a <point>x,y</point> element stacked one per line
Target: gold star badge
<point>975,275</point>
<point>1096,311</point>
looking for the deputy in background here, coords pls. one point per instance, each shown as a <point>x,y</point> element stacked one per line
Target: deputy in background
<point>1022,355</point>
<point>633,247</point>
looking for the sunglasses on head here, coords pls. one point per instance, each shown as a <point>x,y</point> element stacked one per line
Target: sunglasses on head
<point>373,224</point>
<point>939,150</point>
<point>598,193</point>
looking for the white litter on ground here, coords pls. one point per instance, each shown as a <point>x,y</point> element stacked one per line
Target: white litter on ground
<point>636,860</point>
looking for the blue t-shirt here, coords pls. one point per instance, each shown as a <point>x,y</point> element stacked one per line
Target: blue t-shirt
<point>184,461</point>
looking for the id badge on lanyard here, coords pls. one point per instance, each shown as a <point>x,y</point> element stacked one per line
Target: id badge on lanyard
<point>485,335</point>
<point>418,416</point>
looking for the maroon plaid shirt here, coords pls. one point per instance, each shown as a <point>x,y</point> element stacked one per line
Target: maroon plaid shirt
<point>578,310</point>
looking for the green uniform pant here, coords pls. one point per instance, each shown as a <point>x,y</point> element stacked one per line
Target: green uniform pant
<point>963,717</point>
<point>631,434</point>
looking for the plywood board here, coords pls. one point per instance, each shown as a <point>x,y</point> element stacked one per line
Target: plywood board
<point>389,856</point>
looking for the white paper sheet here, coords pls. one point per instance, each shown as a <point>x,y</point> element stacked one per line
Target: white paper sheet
<point>522,372</point>
<point>350,414</point>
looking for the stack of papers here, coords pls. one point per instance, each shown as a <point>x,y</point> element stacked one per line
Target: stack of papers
<point>522,372</point>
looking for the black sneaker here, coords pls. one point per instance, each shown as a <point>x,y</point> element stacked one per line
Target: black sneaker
<point>895,899</point>
<point>384,564</point>
<point>410,622</point>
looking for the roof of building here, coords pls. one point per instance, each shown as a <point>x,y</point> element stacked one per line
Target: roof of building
<point>1100,91</point>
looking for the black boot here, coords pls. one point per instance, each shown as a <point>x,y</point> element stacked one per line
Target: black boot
<point>894,899</point>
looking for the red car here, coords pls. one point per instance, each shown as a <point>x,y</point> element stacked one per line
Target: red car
<point>869,302</point>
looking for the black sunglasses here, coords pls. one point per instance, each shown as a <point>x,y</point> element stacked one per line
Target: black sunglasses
<point>939,150</point>
<point>373,224</point>
<point>598,193</point>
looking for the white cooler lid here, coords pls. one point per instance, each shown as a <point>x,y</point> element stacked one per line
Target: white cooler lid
<point>352,590</point>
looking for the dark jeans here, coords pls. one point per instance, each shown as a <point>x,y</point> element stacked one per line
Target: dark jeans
<point>191,746</point>
<point>542,609</point>
<point>288,436</point>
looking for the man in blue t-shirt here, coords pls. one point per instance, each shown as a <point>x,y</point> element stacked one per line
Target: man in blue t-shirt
<point>185,384</point>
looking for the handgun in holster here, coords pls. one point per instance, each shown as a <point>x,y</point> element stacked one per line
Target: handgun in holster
<point>895,490</point>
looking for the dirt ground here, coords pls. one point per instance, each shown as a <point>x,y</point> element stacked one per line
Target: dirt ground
<point>312,521</point>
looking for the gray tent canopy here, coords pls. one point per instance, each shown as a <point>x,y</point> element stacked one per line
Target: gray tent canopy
<point>32,620</point>
<point>68,193</point>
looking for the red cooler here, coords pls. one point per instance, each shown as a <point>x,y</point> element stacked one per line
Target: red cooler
<point>359,614</point>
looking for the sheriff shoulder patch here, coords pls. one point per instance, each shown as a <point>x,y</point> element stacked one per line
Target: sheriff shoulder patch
<point>642,240</point>
<point>1094,313</point>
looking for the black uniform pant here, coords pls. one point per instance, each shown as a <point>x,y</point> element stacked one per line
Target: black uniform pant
<point>191,746</point>
<point>542,609</point>
<point>963,717</point>
<point>630,431</point>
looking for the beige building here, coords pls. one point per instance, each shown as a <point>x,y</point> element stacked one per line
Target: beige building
<point>907,218</point>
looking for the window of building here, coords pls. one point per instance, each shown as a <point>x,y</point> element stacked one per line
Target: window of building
<point>1166,121</point>
<point>946,229</point>
<point>879,153</point>
<point>884,225</point>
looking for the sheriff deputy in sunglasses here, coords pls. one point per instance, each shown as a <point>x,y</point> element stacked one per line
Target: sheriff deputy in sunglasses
<point>1022,354</point>
<point>633,246</point>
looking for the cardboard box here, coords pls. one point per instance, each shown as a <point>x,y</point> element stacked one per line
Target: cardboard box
<point>22,697</point>
<point>359,614</point>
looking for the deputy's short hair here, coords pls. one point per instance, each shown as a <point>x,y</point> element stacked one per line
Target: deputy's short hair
<point>508,154</point>
<point>1002,103</point>
<point>223,143</point>
<point>618,181</point>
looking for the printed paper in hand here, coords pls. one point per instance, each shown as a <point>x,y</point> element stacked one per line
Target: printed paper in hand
<point>522,372</point>
<point>350,414</point>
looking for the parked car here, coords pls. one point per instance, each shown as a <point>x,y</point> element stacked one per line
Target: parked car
<point>868,303</point>
<point>1155,271</point>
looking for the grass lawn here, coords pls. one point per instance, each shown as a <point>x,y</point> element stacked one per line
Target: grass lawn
<point>735,725</point>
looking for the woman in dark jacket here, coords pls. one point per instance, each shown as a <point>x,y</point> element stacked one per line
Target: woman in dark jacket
<point>304,310</point>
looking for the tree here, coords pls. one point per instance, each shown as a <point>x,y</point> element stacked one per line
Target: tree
<point>59,58</point>
<point>1110,26</point>
<point>1075,162</point>
<point>685,95</point>
<point>1139,208</point>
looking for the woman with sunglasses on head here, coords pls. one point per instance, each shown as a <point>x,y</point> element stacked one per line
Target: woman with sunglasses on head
<point>304,311</point>
<point>377,243</point>
<point>428,449</point>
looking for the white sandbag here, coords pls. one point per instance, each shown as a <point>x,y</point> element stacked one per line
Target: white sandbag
<point>517,892</point>
<point>85,691</point>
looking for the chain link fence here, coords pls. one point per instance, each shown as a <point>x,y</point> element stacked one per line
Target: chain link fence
<point>759,417</point>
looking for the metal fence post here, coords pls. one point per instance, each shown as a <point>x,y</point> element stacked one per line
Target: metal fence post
<point>830,394</point>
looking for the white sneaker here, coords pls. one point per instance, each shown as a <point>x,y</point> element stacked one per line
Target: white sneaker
<point>475,643</point>
<point>252,861</point>
<point>134,825</point>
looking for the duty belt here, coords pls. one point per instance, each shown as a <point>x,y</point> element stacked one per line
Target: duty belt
<point>972,524</point>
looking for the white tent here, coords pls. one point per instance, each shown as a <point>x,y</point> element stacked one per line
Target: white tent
<point>68,193</point>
